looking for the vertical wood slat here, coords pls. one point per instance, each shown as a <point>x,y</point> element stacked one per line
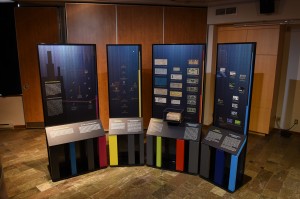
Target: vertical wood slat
<point>33,26</point>
<point>185,25</point>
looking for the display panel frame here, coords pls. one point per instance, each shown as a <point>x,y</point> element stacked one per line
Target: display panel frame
<point>171,64</point>
<point>117,73</point>
<point>67,70</point>
<point>238,83</point>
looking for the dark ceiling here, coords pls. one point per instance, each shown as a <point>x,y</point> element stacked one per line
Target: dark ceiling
<point>198,3</point>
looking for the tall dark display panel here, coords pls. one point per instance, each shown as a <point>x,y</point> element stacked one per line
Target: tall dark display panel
<point>69,83</point>
<point>233,86</point>
<point>124,78</point>
<point>177,80</point>
<point>75,136</point>
<point>174,131</point>
<point>223,149</point>
<point>126,133</point>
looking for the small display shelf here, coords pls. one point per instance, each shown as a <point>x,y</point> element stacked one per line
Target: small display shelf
<point>173,116</point>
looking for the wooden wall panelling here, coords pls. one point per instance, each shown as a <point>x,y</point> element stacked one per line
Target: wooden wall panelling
<point>33,26</point>
<point>267,42</point>
<point>94,24</point>
<point>231,35</point>
<point>185,25</point>
<point>279,66</point>
<point>266,38</point>
<point>142,25</point>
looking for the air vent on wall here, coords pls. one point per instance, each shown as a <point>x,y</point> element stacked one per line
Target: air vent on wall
<point>226,11</point>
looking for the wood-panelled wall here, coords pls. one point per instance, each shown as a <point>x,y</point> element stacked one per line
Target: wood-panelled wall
<point>264,97</point>
<point>33,26</point>
<point>132,24</point>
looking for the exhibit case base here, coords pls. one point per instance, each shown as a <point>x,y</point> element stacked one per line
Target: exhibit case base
<point>173,147</point>
<point>126,142</point>
<point>223,158</point>
<point>75,149</point>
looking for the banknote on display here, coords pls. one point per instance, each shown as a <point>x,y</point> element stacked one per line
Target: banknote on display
<point>176,76</point>
<point>161,100</point>
<point>190,110</point>
<point>192,89</point>
<point>160,62</point>
<point>160,91</point>
<point>160,71</point>
<point>192,81</point>
<point>175,94</point>
<point>175,85</point>
<point>193,61</point>
<point>175,102</point>
<point>192,71</point>
<point>191,97</point>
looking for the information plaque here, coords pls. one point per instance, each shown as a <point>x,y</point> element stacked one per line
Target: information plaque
<point>178,79</point>
<point>125,126</point>
<point>124,80</point>
<point>224,140</point>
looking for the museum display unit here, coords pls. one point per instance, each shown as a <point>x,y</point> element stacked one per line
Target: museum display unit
<point>126,132</point>
<point>223,149</point>
<point>174,132</point>
<point>76,141</point>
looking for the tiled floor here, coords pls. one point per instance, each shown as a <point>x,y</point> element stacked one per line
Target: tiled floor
<point>272,161</point>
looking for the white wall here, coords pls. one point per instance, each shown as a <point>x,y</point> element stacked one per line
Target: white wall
<point>11,111</point>
<point>250,12</point>
<point>290,110</point>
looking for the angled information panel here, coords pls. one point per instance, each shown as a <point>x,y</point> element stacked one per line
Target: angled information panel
<point>225,140</point>
<point>124,80</point>
<point>124,126</point>
<point>66,133</point>
<point>177,80</point>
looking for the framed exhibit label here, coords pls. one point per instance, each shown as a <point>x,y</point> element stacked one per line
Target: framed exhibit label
<point>234,74</point>
<point>69,82</point>
<point>178,79</point>
<point>124,80</point>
